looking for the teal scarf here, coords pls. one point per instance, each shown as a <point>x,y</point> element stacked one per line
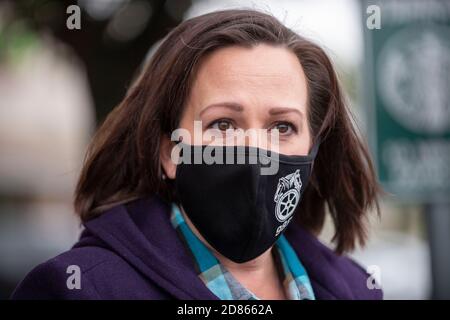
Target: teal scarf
<point>221,282</point>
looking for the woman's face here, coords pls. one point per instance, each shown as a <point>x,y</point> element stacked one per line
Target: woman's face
<point>263,87</point>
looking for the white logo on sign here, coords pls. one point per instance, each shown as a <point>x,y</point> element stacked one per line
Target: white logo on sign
<point>413,78</point>
<point>287,195</point>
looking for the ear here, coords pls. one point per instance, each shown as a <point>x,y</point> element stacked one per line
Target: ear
<point>165,151</point>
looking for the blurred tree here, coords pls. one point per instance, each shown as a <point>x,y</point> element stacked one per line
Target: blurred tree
<point>114,38</point>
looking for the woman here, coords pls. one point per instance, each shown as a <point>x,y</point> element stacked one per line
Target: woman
<point>160,226</point>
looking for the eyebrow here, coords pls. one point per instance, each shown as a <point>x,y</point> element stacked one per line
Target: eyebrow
<point>230,105</point>
<point>238,108</point>
<point>282,110</point>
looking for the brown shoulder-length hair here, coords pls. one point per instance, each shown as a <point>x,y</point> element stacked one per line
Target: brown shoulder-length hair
<point>122,162</point>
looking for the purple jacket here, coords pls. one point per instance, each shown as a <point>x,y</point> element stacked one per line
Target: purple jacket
<point>133,252</point>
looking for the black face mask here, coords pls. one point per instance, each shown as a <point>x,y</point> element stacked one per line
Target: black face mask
<point>239,211</point>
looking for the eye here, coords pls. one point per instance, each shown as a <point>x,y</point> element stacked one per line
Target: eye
<point>285,128</point>
<point>221,124</point>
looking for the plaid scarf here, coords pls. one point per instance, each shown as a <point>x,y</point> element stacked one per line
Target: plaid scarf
<point>222,283</point>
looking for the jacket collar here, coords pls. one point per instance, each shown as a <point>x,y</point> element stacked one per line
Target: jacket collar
<point>141,233</point>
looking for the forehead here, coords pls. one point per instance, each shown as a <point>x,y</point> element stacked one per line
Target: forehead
<point>263,72</point>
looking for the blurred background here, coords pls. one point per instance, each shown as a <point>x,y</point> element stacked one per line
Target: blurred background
<point>59,77</point>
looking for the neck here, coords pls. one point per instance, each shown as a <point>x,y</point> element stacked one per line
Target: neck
<point>259,275</point>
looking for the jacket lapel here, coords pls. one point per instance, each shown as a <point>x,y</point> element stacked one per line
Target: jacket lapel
<point>321,264</point>
<point>142,234</point>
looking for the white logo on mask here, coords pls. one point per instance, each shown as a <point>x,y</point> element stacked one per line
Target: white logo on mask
<point>287,195</point>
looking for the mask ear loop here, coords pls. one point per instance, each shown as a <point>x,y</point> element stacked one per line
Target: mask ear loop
<point>315,148</point>
<point>314,151</point>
